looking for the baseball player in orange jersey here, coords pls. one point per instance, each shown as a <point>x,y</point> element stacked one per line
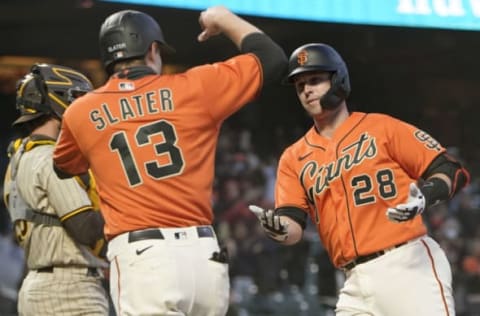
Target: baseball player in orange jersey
<point>364,179</point>
<point>150,141</point>
<point>55,221</point>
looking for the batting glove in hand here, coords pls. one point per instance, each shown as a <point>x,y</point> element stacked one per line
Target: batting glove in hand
<point>274,227</point>
<point>404,212</point>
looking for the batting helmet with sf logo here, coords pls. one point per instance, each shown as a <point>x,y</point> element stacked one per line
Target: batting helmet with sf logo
<point>302,57</point>
<point>316,57</point>
<point>128,34</point>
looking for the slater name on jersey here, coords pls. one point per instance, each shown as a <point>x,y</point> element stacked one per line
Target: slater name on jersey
<point>131,107</point>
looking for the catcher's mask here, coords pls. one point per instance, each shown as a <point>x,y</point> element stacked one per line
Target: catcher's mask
<point>128,34</point>
<point>48,90</point>
<point>321,57</point>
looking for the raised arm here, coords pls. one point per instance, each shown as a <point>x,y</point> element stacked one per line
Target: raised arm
<point>219,20</point>
<point>248,39</point>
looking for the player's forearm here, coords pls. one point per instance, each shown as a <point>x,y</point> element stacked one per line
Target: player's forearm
<point>86,227</point>
<point>60,173</point>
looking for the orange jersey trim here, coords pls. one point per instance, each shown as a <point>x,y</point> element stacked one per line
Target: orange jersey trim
<point>437,279</point>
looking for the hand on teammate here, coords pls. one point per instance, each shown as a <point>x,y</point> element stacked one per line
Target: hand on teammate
<point>404,212</point>
<point>274,226</point>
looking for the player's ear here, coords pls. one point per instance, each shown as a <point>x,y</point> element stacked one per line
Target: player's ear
<point>155,49</point>
<point>149,55</point>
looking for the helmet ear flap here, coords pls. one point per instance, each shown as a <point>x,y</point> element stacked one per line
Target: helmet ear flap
<point>341,83</point>
<point>339,91</point>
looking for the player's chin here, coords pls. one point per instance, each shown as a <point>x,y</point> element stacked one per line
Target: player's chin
<point>312,107</point>
<point>314,111</point>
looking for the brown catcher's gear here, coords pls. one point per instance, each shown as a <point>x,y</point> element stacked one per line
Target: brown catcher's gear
<point>48,90</point>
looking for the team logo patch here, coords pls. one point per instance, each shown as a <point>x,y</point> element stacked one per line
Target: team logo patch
<point>430,142</point>
<point>302,58</point>
<point>118,55</point>
<point>126,86</point>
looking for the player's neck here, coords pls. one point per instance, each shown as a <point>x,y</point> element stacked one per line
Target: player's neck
<point>51,128</point>
<point>326,125</point>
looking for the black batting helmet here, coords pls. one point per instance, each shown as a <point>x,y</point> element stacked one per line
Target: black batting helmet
<point>48,90</point>
<point>128,34</point>
<point>321,57</point>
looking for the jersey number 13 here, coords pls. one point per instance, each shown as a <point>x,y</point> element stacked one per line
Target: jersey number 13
<point>153,168</point>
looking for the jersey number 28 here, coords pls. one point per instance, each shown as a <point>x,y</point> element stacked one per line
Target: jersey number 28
<point>363,187</point>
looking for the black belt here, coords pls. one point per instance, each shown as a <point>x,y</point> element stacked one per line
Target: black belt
<point>362,259</point>
<point>156,233</point>
<point>90,271</point>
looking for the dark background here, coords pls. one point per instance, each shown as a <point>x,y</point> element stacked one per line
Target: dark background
<point>425,76</point>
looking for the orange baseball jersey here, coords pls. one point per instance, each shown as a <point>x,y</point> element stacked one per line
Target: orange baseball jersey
<point>151,142</point>
<point>347,183</point>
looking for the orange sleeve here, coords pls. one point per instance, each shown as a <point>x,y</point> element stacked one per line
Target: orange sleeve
<point>288,188</point>
<point>229,85</point>
<point>66,155</point>
<point>411,147</point>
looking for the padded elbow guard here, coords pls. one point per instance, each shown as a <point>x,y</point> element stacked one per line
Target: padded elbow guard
<point>435,189</point>
<point>460,180</point>
<point>271,56</point>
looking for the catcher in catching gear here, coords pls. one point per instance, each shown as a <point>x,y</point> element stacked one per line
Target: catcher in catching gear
<point>364,179</point>
<point>55,221</point>
<point>150,141</point>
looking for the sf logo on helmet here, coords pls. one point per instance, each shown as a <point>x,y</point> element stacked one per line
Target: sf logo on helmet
<point>302,58</point>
